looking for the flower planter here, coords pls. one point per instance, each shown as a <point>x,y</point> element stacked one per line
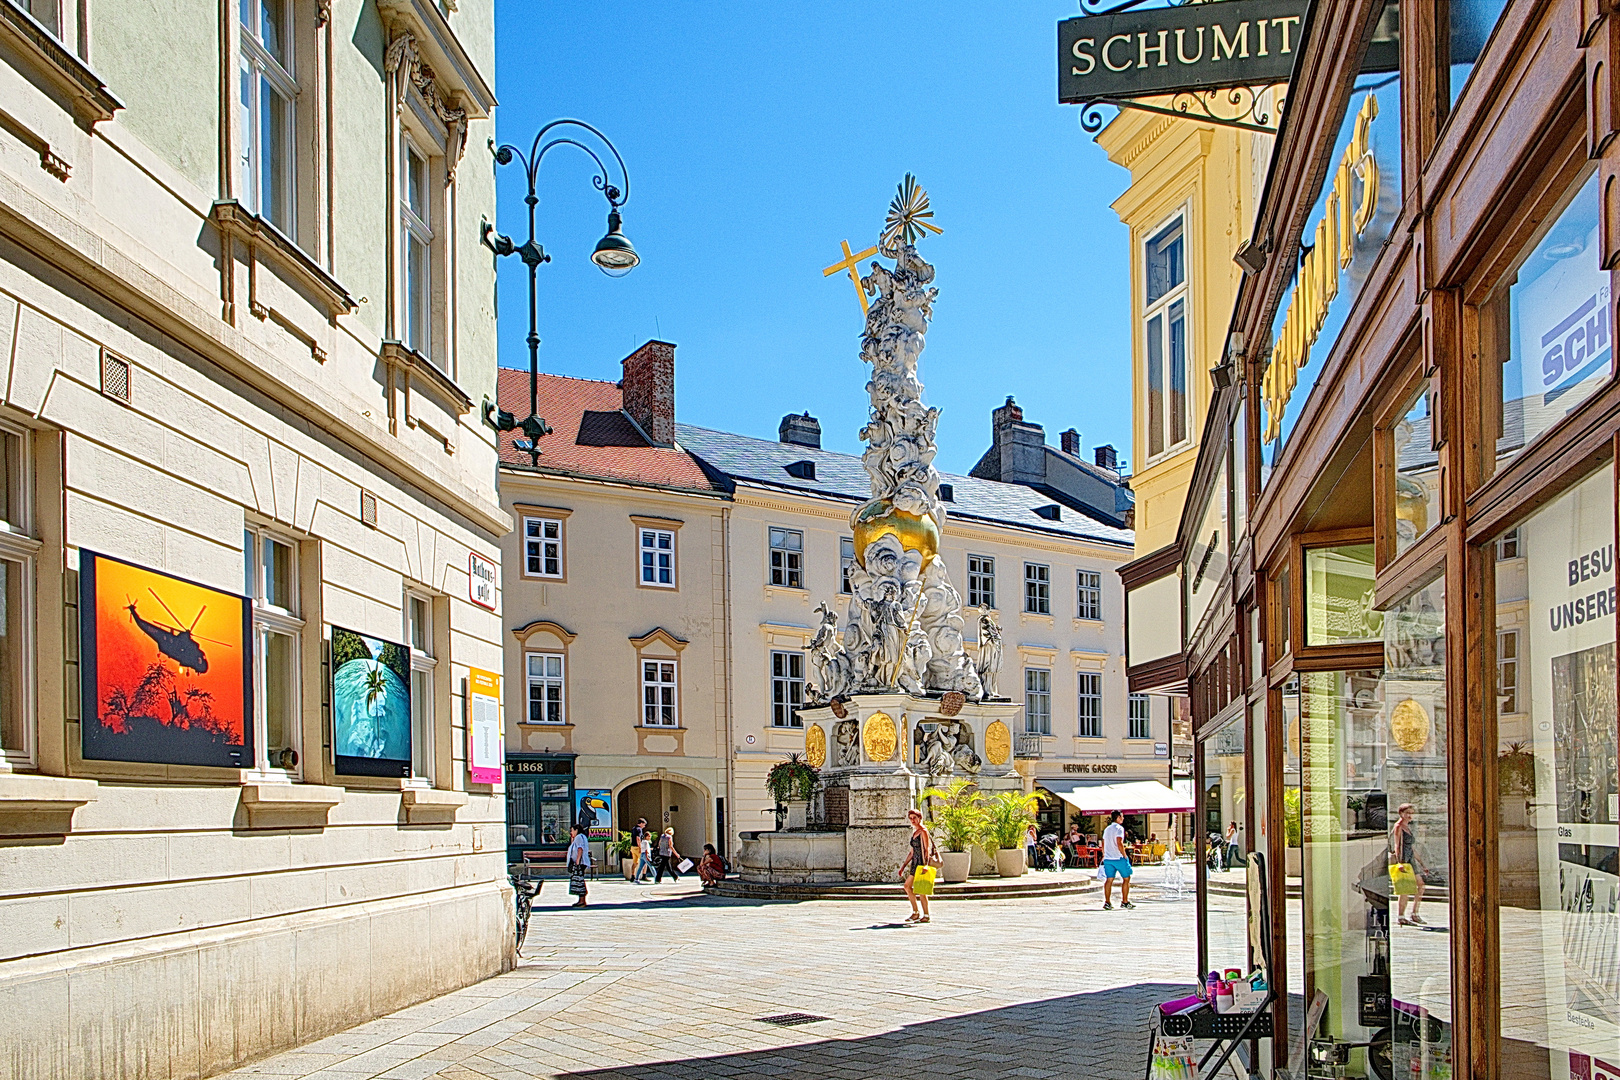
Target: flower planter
<point>1010,862</point>
<point>954,866</point>
<point>628,865</point>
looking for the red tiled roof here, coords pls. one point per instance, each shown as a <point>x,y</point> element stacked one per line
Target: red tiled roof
<point>563,402</point>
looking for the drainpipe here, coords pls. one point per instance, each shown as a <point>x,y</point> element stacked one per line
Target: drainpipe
<point>731,742</point>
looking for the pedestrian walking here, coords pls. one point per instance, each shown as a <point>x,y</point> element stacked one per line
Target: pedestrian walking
<point>579,861</point>
<point>1406,870</point>
<point>644,860</point>
<point>918,872</point>
<point>668,856</point>
<point>1115,861</point>
<point>1233,855</point>
<point>1032,843</point>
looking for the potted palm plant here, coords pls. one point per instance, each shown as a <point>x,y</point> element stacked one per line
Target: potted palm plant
<point>958,818</point>
<point>1007,818</point>
<point>625,848</point>
<point>791,783</point>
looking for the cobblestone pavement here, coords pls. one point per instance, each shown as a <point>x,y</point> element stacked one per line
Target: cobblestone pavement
<point>663,983</point>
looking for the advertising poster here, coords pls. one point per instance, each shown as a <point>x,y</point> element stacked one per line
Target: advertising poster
<point>1573,808</point>
<point>483,726</point>
<point>594,812</point>
<point>165,668</point>
<point>371,705</point>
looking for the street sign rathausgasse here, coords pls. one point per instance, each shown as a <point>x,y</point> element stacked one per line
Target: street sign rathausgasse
<point>1182,52</point>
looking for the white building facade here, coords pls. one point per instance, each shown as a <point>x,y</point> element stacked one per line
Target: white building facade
<point>246,327</point>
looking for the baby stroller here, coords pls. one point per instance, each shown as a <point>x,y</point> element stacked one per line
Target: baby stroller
<point>1048,856</point>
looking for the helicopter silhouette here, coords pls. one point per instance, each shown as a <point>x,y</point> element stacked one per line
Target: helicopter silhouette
<point>178,645</point>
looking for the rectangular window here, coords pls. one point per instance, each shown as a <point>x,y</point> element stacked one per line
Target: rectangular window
<point>787,688</point>
<point>1090,697</point>
<point>546,702</point>
<point>1165,332</point>
<point>424,688</point>
<point>658,694</point>
<point>267,112</point>
<point>1088,595</point>
<point>1507,672</point>
<point>1038,701</point>
<point>846,563</point>
<point>17,617</point>
<point>542,547</point>
<point>416,236</point>
<point>1141,717</point>
<point>658,558</point>
<point>1507,545</point>
<point>1037,588</point>
<point>981,581</point>
<point>787,558</point>
<point>278,628</point>
<point>1470,26</point>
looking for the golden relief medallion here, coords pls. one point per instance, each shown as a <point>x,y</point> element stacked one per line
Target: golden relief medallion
<point>880,737</point>
<point>815,746</point>
<point>997,742</point>
<point>1409,726</point>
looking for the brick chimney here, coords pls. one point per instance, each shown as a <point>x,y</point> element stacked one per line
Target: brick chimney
<point>802,430</point>
<point>1070,441</point>
<point>1005,416</point>
<point>649,391</point>
<point>1108,458</point>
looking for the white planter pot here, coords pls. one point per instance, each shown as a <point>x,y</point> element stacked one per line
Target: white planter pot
<point>628,866</point>
<point>798,814</point>
<point>1292,861</point>
<point>954,866</point>
<point>1010,862</point>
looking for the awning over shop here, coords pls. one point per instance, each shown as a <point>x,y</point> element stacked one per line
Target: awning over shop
<point>1126,796</point>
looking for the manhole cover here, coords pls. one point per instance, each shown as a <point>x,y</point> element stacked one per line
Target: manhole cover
<point>792,1019</point>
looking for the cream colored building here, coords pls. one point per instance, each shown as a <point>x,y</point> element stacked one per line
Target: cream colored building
<point>246,327</point>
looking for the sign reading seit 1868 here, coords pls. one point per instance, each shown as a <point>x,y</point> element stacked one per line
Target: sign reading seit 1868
<point>1163,50</point>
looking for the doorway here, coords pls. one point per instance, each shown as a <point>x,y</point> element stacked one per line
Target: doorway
<point>666,803</point>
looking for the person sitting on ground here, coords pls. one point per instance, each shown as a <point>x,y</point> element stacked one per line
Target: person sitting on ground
<point>712,868</point>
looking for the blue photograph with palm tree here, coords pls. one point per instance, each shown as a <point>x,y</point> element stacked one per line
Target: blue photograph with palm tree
<point>371,705</point>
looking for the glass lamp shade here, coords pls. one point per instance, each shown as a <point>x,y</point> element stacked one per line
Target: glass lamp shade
<point>613,252</point>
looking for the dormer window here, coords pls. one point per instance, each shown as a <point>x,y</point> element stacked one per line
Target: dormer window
<point>802,470</point>
<point>1051,512</point>
<point>947,492</point>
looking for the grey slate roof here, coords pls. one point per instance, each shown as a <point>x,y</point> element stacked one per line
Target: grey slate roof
<point>841,476</point>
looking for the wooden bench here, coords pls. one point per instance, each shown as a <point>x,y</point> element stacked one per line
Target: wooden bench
<point>543,861</point>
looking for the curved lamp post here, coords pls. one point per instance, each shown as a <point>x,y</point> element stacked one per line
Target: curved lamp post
<point>613,254</point>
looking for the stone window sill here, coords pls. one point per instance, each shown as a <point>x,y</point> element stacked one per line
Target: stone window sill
<point>33,805</point>
<point>425,805</point>
<point>288,806</point>
<point>65,71</point>
<point>270,245</point>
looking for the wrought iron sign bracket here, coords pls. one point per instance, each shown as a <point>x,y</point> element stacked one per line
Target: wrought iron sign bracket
<point>1243,103</point>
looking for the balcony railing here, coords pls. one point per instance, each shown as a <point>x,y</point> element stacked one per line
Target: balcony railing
<point>1028,745</point>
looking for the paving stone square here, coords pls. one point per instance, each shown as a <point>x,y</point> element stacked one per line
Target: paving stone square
<point>665,983</point>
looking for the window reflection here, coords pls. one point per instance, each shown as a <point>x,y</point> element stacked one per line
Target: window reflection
<point>1417,473</point>
<point>1224,807</point>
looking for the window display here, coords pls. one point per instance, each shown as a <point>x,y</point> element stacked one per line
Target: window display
<point>1224,810</point>
<point>1558,818</point>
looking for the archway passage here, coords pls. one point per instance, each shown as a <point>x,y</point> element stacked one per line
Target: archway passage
<point>668,803</point>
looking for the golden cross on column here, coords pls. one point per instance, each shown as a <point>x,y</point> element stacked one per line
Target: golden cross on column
<point>850,259</point>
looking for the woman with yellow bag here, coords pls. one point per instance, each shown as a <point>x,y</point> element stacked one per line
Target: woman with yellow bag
<point>1405,877</point>
<point>919,871</point>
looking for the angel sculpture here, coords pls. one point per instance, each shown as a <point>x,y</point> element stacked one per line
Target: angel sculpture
<point>834,672</point>
<point>914,665</point>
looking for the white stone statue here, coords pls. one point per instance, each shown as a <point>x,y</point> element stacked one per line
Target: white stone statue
<point>990,654</point>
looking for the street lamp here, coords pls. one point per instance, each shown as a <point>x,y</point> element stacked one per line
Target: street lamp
<point>614,255</point>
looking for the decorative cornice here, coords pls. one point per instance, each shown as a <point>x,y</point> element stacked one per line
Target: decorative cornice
<point>59,66</point>
<point>403,63</point>
<point>445,52</point>
<point>556,630</point>
<point>323,13</point>
<point>658,633</point>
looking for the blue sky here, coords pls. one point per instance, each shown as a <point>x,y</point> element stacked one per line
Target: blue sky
<point>758,136</point>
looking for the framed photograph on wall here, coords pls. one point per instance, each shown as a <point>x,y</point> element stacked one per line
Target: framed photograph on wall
<point>371,705</point>
<point>166,674</point>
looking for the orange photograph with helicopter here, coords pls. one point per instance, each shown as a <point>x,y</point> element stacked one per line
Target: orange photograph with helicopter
<point>165,666</point>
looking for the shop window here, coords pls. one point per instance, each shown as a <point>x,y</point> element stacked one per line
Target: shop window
<point>846,563</point>
<point>659,693</point>
<point>787,558</point>
<point>1089,695</point>
<point>547,693</point>
<point>1037,588</point>
<point>1416,470</point>
<point>1239,516</point>
<point>657,558</point>
<point>267,106</point>
<point>1339,596</point>
<point>1088,595</point>
<point>278,627</point>
<point>1223,811</point>
<point>424,687</point>
<point>1141,717</point>
<point>787,689</point>
<point>1558,813</point>
<point>1464,26</point>
<point>1165,329</point>
<point>981,581</point>
<point>1038,701</point>
<point>542,547</point>
<point>1546,335</point>
<point>18,549</point>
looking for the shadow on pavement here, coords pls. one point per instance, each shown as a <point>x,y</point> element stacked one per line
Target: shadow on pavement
<point>1099,1036</point>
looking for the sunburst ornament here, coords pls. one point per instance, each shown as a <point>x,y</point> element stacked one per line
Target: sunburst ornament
<point>908,219</point>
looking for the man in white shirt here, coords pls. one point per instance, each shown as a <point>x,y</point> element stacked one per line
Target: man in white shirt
<point>1115,861</point>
